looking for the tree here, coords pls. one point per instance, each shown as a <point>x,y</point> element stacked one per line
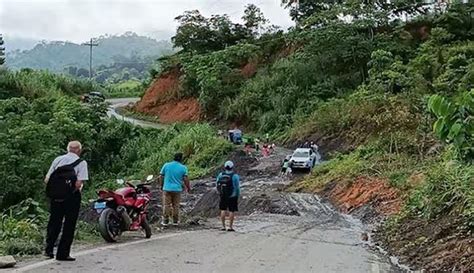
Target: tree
<point>253,19</point>
<point>194,32</point>
<point>200,34</point>
<point>300,10</point>
<point>2,51</point>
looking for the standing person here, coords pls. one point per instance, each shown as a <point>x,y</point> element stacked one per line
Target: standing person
<point>314,146</point>
<point>64,182</point>
<point>173,174</point>
<point>285,166</point>
<point>267,138</point>
<point>228,186</point>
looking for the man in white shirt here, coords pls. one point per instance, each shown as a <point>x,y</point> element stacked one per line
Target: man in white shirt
<point>66,209</point>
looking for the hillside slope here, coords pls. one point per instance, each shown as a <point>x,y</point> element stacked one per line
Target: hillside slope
<point>161,100</point>
<point>369,93</point>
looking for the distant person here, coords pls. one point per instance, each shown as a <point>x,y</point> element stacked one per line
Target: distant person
<point>257,145</point>
<point>314,147</point>
<point>228,186</point>
<point>265,150</point>
<point>64,182</point>
<point>285,166</point>
<point>267,138</point>
<point>306,145</point>
<point>172,177</point>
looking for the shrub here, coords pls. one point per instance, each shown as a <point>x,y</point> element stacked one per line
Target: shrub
<point>448,188</point>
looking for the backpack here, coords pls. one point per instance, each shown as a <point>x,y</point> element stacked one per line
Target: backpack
<point>225,185</point>
<point>62,181</point>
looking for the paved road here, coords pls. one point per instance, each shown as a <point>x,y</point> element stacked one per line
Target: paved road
<point>115,103</point>
<point>263,243</point>
<point>294,233</point>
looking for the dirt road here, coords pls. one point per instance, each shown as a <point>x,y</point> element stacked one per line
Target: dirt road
<point>279,232</point>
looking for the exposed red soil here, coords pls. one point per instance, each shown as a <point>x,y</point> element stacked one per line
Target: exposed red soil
<point>185,110</point>
<point>365,191</point>
<point>162,99</point>
<point>249,69</point>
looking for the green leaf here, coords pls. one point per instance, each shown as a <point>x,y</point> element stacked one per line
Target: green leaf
<point>454,130</point>
<point>439,127</point>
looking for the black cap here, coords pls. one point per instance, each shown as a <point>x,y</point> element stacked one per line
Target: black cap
<point>178,157</point>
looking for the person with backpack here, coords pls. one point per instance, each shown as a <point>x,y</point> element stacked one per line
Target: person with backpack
<point>64,182</point>
<point>228,186</point>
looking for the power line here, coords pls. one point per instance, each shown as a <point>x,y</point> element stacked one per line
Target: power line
<point>90,45</point>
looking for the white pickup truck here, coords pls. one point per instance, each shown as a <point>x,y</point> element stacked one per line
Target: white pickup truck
<point>304,158</point>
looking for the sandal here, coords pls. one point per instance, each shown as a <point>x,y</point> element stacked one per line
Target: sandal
<point>230,229</point>
<point>223,229</point>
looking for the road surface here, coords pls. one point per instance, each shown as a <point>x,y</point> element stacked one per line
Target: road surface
<point>281,232</point>
<point>263,243</point>
<point>115,103</point>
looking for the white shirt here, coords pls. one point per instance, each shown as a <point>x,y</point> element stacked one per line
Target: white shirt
<point>69,158</point>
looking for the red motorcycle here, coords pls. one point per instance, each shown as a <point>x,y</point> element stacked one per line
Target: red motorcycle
<point>124,209</point>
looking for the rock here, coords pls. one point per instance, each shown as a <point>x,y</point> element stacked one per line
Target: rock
<point>7,261</point>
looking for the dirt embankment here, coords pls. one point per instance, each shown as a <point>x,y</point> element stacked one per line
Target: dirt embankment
<point>162,99</point>
<point>367,198</point>
<point>439,245</point>
<point>442,244</point>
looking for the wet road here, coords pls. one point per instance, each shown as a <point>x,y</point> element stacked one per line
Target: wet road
<point>263,243</point>
<point>301,234</point>
<point>115,103</point>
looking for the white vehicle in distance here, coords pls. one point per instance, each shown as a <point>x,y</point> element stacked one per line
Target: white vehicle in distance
<point>304,158</point>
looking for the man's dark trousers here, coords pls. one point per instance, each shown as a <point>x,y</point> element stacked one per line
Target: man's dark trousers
<point>68,209</point>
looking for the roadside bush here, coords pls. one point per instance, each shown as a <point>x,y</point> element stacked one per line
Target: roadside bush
<point>21,247</point>
<point>448,188</point>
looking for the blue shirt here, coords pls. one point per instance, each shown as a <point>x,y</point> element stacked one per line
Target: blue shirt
<point>235,183</point>
<point>174,173</point>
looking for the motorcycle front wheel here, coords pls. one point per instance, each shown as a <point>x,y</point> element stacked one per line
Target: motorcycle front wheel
<point>146,227</point>
<point>109,225</point>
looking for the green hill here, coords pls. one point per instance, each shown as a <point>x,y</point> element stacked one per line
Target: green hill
<point>58,56</point>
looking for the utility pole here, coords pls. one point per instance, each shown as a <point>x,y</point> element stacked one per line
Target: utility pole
<point>90,45</point>
<point>2,51</point>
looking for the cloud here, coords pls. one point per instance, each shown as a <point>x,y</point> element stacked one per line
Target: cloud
<point>78,20</point>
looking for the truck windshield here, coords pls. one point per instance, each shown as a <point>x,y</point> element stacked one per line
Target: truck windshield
<point>301,154</point>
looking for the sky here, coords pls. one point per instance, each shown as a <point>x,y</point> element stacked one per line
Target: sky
<point>79,20</point>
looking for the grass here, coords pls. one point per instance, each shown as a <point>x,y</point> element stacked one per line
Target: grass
<point>125,89</point>
<point>126,112</point>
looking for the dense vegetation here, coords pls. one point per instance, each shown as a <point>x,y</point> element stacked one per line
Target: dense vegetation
<point>39,114</point>
<point>123,57</point>
<point>383,96</point>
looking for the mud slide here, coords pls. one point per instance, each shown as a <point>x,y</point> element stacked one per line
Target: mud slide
<point>276,231</point>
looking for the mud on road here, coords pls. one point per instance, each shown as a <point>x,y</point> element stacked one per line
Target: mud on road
<point>277,231</point>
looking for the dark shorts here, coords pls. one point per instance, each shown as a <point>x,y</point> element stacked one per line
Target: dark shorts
<point>230,204</point>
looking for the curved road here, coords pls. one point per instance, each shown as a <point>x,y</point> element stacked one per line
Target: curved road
<point>115,103</point>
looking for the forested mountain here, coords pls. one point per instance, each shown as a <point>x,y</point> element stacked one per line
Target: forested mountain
<point>59,56</point>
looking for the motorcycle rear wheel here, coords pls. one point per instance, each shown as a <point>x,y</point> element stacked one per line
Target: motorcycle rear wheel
<point>109,225</point>
<point>146,227</point>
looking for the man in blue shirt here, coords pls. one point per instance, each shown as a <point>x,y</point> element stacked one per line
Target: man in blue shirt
<point>174,174</point>
<point>228,186</point>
